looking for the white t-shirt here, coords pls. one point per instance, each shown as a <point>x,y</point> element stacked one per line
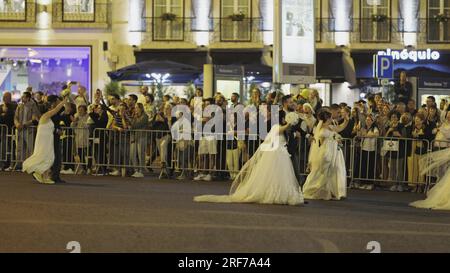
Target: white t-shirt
<point>369,144</point>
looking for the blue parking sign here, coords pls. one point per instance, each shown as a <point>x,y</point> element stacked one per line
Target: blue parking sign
<point>383,67</point>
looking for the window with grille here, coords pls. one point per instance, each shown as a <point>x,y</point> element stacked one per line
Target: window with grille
<point>236,20</point>
<point>375,21</point>
<point>168,20</point>
<point>438,21</point>
<point>13,10</point>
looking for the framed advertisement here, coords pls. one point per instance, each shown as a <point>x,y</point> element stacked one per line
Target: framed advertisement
<point>295,41</point>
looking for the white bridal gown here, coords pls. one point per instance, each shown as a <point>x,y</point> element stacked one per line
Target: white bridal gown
<point>328,178</point>
<point>267,178</point>
<point>43,154</point>
<point>439,196</point>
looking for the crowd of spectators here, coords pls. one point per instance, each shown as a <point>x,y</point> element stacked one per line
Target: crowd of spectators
<point>137,133</point>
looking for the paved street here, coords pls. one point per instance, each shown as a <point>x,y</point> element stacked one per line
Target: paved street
<point>127,215</point>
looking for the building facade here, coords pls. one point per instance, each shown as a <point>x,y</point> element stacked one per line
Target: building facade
<point>238,33</point>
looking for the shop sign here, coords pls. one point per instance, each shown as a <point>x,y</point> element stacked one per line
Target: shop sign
<point>412,55</point>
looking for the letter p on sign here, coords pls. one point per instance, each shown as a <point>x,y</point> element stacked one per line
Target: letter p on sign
<point>383,67</point>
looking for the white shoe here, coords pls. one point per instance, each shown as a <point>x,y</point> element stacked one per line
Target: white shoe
<point>48,181</point>
<point>199,177</point>
<point>400,188</point>
<point>69,171</point>
<point>114,173</point>
<point>369,187</point>
<point>393,188</point>
<point>38,177</point>
<point>138,175</point>
<point>9,169</point>
<point>207,178</point>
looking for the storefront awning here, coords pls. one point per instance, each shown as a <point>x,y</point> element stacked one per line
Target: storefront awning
<point>242,57</point>
<point>178,72</point>
<point>188,57</point>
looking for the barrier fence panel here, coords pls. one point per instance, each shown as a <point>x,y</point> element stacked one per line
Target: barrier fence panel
<point>214,155</point>
<point>438,145</point>
<point>132,150</point>
<point>75,156</point>
<point>22,145</point>
<point>4,144</point>
<point>390,161</point>
<point>382,161</point>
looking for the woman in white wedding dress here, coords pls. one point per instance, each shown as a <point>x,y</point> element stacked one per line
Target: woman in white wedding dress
<point>40,162</point>
<point>327,179</point>
<point>438,198</point>
<point>267,178</point>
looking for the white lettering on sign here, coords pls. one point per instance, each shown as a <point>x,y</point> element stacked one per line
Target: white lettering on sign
<point>413,55</point>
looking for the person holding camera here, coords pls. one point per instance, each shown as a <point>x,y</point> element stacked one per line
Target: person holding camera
<point>99,118</point>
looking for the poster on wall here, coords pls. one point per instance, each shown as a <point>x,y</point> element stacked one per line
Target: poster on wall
<point>78,10</point>
<point>13,10</point>
<point>295,46</point>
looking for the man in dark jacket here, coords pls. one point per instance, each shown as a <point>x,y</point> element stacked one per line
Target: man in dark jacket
<point>99,119</point>
<point>292,135</point>
<point>403,89</point>
<point>56,119</point>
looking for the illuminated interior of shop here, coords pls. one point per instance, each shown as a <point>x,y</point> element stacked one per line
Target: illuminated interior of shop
<point>45,69</point>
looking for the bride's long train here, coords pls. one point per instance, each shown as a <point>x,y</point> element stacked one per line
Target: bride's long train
<point>267,178</point>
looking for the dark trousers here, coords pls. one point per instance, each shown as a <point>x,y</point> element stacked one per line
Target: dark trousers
<point>67,143</point>
<point>221,158</point>
<point>56,168</point>
<point>367,167</point>
<point>295,158</point>
<point>100,152</point>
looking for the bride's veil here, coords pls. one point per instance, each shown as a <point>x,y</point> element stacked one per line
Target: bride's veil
<point>432,162</point>
<point>270,143</point>
<point>314,156</point>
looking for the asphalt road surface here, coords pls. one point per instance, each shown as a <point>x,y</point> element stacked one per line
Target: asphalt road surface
<point>106,214</point>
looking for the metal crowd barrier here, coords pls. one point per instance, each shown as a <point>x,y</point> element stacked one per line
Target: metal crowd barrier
<point>22,145</point>
<point>131,150</point>
<point>213,155</point>
<point>390,161</point>
<point>438,145</point>
<point>4,144</point>
<point>381,161</point>
<point>75,152</point>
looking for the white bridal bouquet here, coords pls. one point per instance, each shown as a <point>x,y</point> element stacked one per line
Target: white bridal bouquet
<point>339,140</point>
<point>292,118</point>
<point>337,137</point>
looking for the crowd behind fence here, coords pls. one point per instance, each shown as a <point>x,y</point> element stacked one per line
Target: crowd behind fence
<point>371,161</point>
